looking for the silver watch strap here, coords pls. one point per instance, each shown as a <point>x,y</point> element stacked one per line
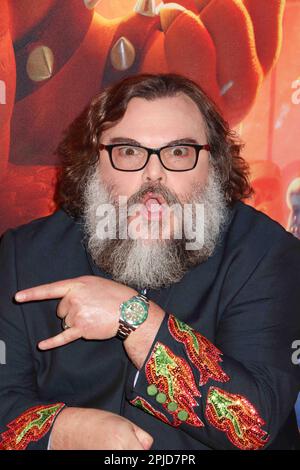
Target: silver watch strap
<point>143,298</point>
<point>124,330</point>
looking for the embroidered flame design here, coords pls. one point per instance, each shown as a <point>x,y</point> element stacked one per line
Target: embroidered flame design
<point>141,403</point>
<point>30,426</point>
<point>237,417</point>
<point>173,376</point>
<point>201,352</point>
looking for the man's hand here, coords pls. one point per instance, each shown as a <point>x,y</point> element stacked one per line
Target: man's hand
<point>91,429</point>
<point>89,305</point>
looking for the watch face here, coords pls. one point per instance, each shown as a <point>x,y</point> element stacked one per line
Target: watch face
<point>134,311</point>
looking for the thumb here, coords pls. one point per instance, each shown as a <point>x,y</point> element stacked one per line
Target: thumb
<point>144,438</point>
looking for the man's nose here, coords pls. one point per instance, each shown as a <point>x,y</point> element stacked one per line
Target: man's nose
<point>154,170</point>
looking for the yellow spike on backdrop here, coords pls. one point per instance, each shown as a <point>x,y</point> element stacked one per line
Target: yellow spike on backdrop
<point>122,54</point>
<point>90,4</point>
<point>40,62</point>
<point>147,7</point>
<point>168,12</point>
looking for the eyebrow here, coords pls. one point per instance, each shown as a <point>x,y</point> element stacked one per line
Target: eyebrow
<point>128,140</point>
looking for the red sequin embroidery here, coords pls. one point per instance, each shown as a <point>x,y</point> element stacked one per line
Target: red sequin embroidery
<point>30,426</point>
<point>140,402</point>
<point>201,352</point>
<point>237,417</point>
<point>173,376</point>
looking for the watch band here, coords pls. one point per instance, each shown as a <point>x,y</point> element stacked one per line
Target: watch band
<point>143,297</point>
<point>124,330</point>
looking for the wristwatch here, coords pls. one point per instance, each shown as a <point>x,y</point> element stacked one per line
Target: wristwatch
<point>133,313</point>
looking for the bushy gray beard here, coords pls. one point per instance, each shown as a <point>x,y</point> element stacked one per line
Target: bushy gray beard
<point>159,263</point>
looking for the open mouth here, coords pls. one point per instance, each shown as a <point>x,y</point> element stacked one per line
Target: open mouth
<point>153,205</point>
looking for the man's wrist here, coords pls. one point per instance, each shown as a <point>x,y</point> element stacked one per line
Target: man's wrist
<point>139,342</point>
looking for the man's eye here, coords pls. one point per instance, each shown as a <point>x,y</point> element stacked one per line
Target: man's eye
<point>128,151</point>
<point>180,151</point>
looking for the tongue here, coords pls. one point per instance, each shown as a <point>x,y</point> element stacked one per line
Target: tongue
<point>152,205</point>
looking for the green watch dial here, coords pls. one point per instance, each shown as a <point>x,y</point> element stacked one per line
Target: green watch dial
<point>134,311</point>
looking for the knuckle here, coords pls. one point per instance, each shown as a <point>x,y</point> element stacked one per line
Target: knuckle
<point>82,281</point>
<point>75,301</point>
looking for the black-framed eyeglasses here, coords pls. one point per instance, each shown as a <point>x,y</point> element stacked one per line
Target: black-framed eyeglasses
<point>128,157</point>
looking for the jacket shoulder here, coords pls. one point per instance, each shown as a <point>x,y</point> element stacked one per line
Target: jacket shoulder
<point>251,227</point>
<point>48,229</point>
<point>46,242</point>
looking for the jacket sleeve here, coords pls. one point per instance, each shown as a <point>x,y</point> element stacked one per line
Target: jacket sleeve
<point>25,420</point>
<point>238,392</point>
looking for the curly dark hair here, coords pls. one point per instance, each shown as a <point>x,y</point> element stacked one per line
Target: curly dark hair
<point>79,149</point>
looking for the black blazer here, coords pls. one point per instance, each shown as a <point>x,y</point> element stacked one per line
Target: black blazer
<point>219,374</point>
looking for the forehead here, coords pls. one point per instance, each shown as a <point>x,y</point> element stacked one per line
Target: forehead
<point>162,118</point>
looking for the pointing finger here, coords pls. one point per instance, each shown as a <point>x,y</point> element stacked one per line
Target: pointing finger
<point>54,290</point>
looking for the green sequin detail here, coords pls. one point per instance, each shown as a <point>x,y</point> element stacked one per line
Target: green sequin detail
<point>152,390</point>
<point>161,397</point>
<point>221,405</point>
<point>182,415</point>
<point>172,406</point>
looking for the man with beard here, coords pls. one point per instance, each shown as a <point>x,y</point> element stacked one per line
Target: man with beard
<point>169,334</point>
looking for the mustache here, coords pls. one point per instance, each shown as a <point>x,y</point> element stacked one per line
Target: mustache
<point>169,196</point>
<point>160,189</point>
